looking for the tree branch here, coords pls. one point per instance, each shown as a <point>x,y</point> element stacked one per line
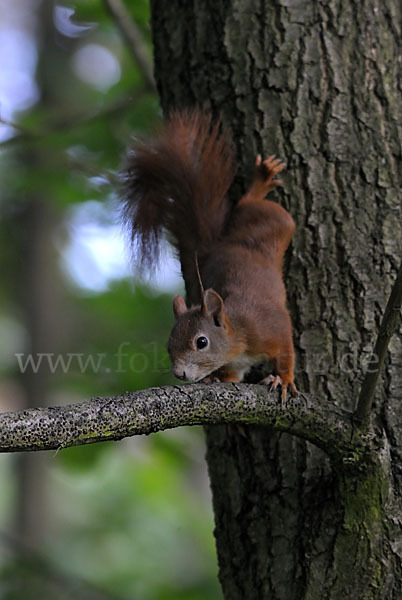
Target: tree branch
<point>133,37</point>
<point>387,329</point>
<point>322,423</point>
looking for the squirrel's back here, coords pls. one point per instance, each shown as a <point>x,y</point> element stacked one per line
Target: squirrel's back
<point>178,182</point>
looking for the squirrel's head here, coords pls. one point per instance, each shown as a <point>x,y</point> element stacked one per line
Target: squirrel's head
<point>200,341</point>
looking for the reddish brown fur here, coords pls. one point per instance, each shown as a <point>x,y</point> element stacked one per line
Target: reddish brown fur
<point>191,162</point>
<point>239,251</point>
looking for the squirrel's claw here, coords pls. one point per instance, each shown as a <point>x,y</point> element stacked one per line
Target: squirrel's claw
<point>293,390</point>
<point>268,169</point>
<point>273,381</point>
<point>211,379</point>
<point>273,165</point>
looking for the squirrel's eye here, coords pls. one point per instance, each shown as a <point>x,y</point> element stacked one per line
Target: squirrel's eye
<point>202,342</point>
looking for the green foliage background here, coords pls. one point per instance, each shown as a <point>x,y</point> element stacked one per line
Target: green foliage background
<point>121,520</point>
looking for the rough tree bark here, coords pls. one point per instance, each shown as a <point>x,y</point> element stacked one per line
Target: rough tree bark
<point>156,409</point>
<point>318,84</point>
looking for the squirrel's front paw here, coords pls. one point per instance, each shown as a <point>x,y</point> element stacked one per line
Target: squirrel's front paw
<point>274,381</point>
<point>211,379</point>
<point>268,169</point>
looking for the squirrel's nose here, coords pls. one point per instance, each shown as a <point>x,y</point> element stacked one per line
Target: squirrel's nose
<point>179,373</point>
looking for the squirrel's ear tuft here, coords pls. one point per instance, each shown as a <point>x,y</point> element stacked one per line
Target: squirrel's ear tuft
<point>179,306</point>
<point>212,306</point>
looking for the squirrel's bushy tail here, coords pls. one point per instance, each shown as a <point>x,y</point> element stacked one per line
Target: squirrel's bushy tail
<point>177,182</point>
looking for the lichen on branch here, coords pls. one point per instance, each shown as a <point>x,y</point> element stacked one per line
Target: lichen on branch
<point>156,409</point>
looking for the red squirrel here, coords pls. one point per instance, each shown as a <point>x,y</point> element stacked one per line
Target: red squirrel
<point>178,183</point>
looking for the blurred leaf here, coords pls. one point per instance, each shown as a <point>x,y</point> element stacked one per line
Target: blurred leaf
<point>82,458</point>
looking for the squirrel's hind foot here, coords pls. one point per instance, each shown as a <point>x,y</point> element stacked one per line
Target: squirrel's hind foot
<point>267,170</point>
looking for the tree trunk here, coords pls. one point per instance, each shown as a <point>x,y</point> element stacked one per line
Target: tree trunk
<point>319,85</point>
